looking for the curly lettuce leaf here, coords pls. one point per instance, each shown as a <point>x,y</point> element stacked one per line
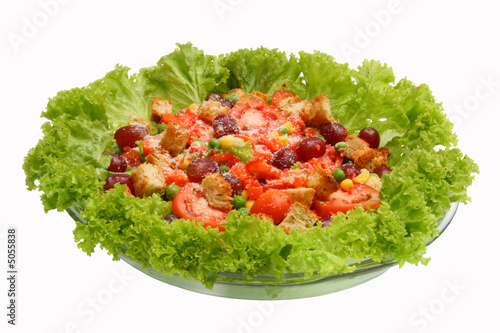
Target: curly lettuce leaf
<point>185,76</point>
<point>261,70</point>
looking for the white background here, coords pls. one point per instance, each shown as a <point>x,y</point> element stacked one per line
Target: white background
<point>450,45</point>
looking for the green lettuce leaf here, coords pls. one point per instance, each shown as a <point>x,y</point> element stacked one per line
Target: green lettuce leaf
<point>185,76</point>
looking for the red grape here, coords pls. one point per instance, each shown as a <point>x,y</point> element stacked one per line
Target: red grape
<point>236,184</point>
<point>311,148</point>
<point>284,158</point>
<point>350,170</point>
<point>333,133</point>
<point>220,99</point>
<point>383,170</point>
<point>119,178</point>
<point>199,168</point>
<point>118,164</point>
<point>371,136</point>
<point>170,218</point>
<point>128,135</point>
<point>225,124</point>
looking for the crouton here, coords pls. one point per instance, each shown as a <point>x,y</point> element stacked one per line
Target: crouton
<point>299,217</point>
<point>141,122</point>
<point>211,109</point>
<point>161,157</point>
<point>264,217</point>
<point>359,151</point>
<point>302,195</point>
<point>262,96</point>
<point>217,191</point>
<point>148,178</point>
<point>249,98</point>
<point>239,91</point>
<point>159,107</point>
<point>175,139</point>
<point>320,112</point>
<point>380,159</point>
<point>303,108</point>
<point>322,182</point>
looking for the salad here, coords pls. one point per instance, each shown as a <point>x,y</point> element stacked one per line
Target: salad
<point>255,162</point>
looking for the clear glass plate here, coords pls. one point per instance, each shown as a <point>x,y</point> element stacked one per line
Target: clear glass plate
<point>292,286</point>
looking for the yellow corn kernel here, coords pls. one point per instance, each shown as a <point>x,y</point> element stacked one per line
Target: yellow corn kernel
<point>361,178</point>
<point>283,139</point>
<point>289,126</point>
<point>346,184</point>
<point>193,107</point>
<point>184,162</point>
<point>230,141</point>
<point>275,134</point>
<point>244,194</point>
<point>249,204</point>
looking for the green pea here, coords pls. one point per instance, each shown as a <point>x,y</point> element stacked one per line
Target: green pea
<point>171,191</point>
<point>340,145</point>
<point>223,168</point>
<point>283,130</point>
<point>239,202</point>
<point>338,174</point>
<point>233,97</point>
<point>214,144</point>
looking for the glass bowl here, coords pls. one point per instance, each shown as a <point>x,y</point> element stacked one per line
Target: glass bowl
<point>292,286</point>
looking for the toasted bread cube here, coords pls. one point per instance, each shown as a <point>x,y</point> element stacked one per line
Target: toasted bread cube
<point>320,113</point>
<point>148,178</point>
<point>303,108</point>
<point>262,96</point>
<point>299,217</point>
<point>239,91</point>
<point>161,157</point>
<point>301,195</point>
<point>175,139</point>
<point>211,109</point>
<point>249,98</point>
<point>159,107</point>
<point>322,182</point>
<point>359,151</point>
<point>217,191</point>
<point>380,159</point>
<point>141,122</point>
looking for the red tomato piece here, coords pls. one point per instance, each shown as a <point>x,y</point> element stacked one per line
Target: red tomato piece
<point>257,115</point>
<point>254,189</point>
<point>189,203</point>
<point>225,158</point>
<point>297,123</point>
<point>280,95</point>
<point>259,169</point>
<point>132,157</point>
<point>360,195</point>
<point>175,176</point>
<point>273,203</point>
<point>167,118</point>
<point>289,179</point>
